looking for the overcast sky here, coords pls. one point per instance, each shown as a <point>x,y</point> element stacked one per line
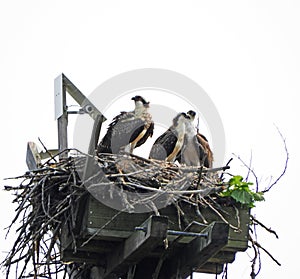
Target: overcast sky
<point>244,54</point>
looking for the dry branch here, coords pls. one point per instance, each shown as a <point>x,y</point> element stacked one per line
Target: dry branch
<point>47,199</point>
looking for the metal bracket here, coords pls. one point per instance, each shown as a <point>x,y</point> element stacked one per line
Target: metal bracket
<point>62,86</point>
<point>136,247</point>
<point>198,251</point>
<point>177,233</point>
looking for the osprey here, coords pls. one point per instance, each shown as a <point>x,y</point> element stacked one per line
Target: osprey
<point>128,129</point>
<point>168,145</point>
<point>195,150</point>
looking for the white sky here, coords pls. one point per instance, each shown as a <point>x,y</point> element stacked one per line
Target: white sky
<point>244,54</point>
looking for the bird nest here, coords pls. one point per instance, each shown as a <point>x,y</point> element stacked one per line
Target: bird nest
<point>139,182</point>
<point>48,199</point>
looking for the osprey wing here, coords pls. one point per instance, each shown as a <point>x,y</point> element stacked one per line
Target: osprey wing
<point>163,146</point>
<point>122,130</point>
<point>206,155</point>
<point>149,133</point>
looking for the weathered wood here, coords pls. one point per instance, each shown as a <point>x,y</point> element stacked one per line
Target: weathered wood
<point>62,127</point>
<point>95,133</point>
<point>101,219</point>
<point>196,253</point>
<point>192,227</point>
<point>107,225</point>
<point>90,257</point>
<point>237,216</point>
<point>210,268</point>
<point>99,215</point>
<point>137,246</point>
<point>223,257</point>
<point>91,167</point>
<point>33,159</point>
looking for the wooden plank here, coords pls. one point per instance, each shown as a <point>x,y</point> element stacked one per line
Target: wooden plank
<point>91,165</point>
<point>99,215</point>
<point>107,224</point>
<point>33,159</point>
<point>210,268</point>
<point>192,227</point>
<point>83,257</point>
<point>106,218</point>
<point>238,240</point>
<point>95,134</point>
<point>108,234</point>
<point>137,246</point>
<point>196,253</point>
<point>223,257</point>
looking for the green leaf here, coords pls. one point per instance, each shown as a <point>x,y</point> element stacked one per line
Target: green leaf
<point>236,180</point>
<point>239,190</point>
<point>242,196</point>
<point>259,196</point>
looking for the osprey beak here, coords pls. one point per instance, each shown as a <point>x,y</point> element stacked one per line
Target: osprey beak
<point>147,105</point>
<point>142,100</point>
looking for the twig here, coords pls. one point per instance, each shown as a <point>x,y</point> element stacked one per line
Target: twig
<point>265,250</point>
<point>250,167</point>
<point>47,151</point>
<point>50,199</point>
<point>227,165</point>
<point>262,225</point>
<point>285,165</point>
<point>251,170</point>
<point>220,215</point>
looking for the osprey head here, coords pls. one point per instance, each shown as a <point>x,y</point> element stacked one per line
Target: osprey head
<point>141,100</point>
<point>180,118</point>
<point>191,114</point>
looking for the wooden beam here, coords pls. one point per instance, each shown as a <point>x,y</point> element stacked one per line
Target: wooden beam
<point>211,268</point>
<point>196,253</point>
<point>62,127</point>
<point>33,159</point>
<point>91,165</point>
<point>223,257</point>
<point>83,257</point>
<point>136,247</point>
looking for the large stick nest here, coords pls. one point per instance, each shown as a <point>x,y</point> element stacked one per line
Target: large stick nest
<point>48,199</point>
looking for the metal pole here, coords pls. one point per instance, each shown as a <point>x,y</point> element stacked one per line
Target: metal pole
<point>61,115</point>
<point>62,86</point>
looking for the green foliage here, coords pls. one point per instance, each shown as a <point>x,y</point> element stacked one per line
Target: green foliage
<point>241,192</point>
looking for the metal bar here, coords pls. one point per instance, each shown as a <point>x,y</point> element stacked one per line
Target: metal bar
<point>171,232</point>
<point>180,233</point>
<point>81,99</point>
<point>138,246</point>
<point>63,85</point>
<point>61,115</point>
<point>197,252</point>
<point>142,229</point>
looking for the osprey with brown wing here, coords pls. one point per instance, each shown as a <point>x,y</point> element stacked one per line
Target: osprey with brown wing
<point>128,130</point>
<point>195,150</point>
<point>168,145</point>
